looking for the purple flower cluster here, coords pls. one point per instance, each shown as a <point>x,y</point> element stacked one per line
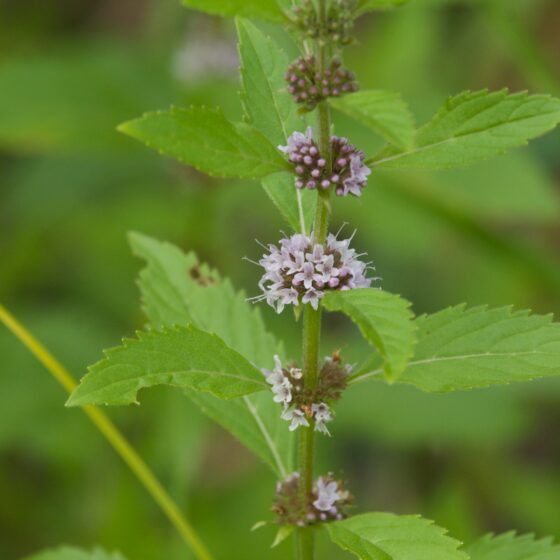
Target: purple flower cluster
<point>308,86</point>
<point>328,501</point>
<point>284,383</point>
<point>327,495</point>
<point>347,174</point>
<point>301,271</point>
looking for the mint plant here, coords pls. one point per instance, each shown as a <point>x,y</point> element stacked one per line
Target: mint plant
<point>210,341</point>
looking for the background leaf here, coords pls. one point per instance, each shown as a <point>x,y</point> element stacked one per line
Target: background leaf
<point>384,112</point>
<point>179,356</point>
<point>173,295</point>
<point>384,319</point>
<point>509,546</point>
<point>385,536</point>
<point>461,349</point>
<point>370,5</point>
<point>86,90</point>
<point>206,140</point>
<point>260,9</point>
<point>474,126</point>
<point>71,553</point>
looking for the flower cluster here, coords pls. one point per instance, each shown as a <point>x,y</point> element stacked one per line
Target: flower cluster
<point>347,173</point>
<point>338,25</point>
<point>329,501</point>
<point>287,386</point>
<point>301,271</point>
<point>302,404</point>
<point>308,86</point>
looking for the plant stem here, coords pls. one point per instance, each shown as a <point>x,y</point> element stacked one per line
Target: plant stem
<point>312,318</point>
<point>113,436</point>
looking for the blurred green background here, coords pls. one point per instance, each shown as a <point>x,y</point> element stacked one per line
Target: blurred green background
<point>71,187</point>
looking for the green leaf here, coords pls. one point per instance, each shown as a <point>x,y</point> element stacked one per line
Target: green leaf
<point>509,546</point>
<point>296,206</point>
<point>71,553</point>
<point>178,356</point>
<point>384,112</point>
<point>460,349</point>
<point>268,105</point>
<point>206,140</point>
<point>370,5</point>
<point>260,9</point>
<point>255,421</point>
<point>178,290</point>
<point>385,536</point>
<point>384,319</point>
<point>270,108</point>
<point>472,127</point>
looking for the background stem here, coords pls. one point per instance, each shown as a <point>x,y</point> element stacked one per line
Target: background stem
<point>113,436</point>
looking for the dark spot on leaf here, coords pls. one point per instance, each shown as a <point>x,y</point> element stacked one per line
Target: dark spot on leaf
<point>201,279</point>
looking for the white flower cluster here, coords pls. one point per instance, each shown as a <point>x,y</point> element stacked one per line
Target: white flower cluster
<point>300,270</point>
<point>282,386</point>
<point>327,495</point>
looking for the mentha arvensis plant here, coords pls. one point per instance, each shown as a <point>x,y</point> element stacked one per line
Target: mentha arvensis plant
<point>211,342</point>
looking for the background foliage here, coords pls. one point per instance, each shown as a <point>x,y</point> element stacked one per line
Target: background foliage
<point>72,187</point>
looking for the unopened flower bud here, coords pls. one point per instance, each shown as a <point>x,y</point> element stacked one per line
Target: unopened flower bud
<point>309,87</point>
<point>349,174</point>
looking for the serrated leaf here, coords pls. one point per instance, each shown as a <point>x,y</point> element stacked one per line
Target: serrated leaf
<point>205,139</point>
<point>178,290</point>
<point>384,112</point>
<point>384,319</point>
<point>71,553</point>
<point>370,5</point>
<point>270,108</point>
<point>460,349</point>
<point>474,126</point>
<point>386,536</point>
<point>510,546</point>
<point>296,206</point>
<point>259,9</point>
<point>180,356</point>
<point>268,105</point>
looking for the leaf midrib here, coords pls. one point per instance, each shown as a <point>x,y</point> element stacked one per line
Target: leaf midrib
<point>455,137</point>
<point>266,435</point>
<point>457,358</point>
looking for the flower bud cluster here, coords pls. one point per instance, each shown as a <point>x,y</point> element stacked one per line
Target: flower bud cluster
<point>302,405</point>
<point>329,501</point>
<point>339,21</point>
<point>308,86</point>
<point>302,271</point>
<point>347,173</point>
